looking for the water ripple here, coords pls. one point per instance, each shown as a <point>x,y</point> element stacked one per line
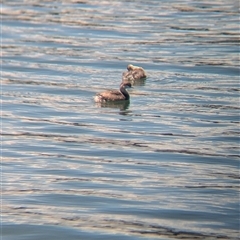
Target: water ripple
<point>164,165</point>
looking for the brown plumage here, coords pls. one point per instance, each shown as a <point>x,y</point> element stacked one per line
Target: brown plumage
<point>114,95</point>
<point>134,73</point>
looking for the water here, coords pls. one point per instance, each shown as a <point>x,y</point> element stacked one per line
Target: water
<point>165,166</point>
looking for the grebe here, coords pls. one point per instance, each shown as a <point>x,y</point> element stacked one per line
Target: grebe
<point>134,73</point>
<point>114,95</point>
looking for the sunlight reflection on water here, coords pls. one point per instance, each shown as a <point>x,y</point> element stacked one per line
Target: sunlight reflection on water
<point>164,165</point>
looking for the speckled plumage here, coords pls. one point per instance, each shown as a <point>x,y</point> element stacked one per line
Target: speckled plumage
<point>113,95</point>
<point>134,73</point>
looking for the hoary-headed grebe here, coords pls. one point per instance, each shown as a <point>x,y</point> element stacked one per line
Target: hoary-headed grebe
<point>134,73</point>
<point>114,95</point>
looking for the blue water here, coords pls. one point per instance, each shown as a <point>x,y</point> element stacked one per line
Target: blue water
<point>164,166</point>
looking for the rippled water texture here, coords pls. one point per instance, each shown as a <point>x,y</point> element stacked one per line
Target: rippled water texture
<point>165,165</point>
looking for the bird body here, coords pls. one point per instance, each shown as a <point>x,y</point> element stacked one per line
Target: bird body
<point>114,95</point>
<point>134,73</point>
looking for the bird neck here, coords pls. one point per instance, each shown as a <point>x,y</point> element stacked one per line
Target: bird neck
<point>124,92</point>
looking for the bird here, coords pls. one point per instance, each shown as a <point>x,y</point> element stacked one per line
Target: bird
<point>114,95</point>
<point>134,73</point>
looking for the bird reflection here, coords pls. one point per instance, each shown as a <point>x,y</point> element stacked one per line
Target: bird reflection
<point>121,105</point>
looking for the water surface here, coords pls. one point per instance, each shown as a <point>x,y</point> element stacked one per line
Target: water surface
<point>164,166</point>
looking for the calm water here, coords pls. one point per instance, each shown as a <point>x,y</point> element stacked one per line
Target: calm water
<point>166,166</point>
